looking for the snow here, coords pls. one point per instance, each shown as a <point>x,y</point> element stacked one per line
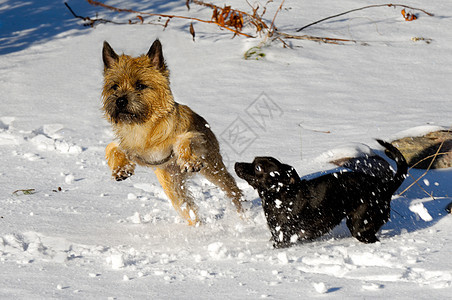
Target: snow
<point>417,131</point>
<point>320,287</point>
<point>421,211</point>
<point>81,234</point>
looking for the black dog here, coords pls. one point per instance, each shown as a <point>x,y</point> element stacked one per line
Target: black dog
<point>306,209</point>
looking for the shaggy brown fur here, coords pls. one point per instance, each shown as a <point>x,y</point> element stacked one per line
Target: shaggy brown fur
<point>155,131</point>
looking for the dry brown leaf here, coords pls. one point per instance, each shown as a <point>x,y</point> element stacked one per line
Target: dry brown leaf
<point>408,16</point>
<point>192,31</point>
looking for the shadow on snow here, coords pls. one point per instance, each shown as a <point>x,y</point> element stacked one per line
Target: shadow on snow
<point>33,22</point>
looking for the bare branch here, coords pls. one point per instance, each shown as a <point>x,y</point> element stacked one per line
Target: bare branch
<point>233,20</point>
<point>427,157</point>
<point>89,21</point>
<point>426,171</point>
<point>362,8</point>
<point>224,25</point>
<point>316,38</point>
<point>272,25</point>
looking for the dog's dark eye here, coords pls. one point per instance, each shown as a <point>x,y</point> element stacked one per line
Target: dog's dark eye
<point>258,168</point>
<point>139,86</point>
<point>115,87</point>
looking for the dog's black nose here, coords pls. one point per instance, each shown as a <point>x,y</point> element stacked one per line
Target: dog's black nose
<point>121,102</point>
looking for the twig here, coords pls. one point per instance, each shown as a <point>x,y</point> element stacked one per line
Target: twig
<point>423,189</point>
<point>234,20</point>
<point>362,8</point>
<point>428,168</point>
<point>24,192</point>
<point>272,25</point>
<point>403,217</point>
<point>97,3</point>
<point>426,171</point>
<point>316,38</point>
<point>91,22</point>
<point>430,156</point>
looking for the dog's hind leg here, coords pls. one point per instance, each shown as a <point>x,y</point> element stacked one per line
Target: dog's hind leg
<point>365,222</point>
<point>220,177</point>
<point>365,236</point>
<point>173,183</point>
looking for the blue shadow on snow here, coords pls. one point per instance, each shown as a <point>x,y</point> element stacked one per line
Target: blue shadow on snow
<point>31,22</point>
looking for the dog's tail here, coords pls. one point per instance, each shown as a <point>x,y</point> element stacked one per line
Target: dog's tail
<point>402,166</point>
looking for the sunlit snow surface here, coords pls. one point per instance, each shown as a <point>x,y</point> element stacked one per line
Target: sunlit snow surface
<point>67,230</point>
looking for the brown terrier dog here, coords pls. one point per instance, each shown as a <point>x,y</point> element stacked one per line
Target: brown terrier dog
<point>155,131</point>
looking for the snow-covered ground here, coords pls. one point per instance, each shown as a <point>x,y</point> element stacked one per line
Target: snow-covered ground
<point>80,234</point>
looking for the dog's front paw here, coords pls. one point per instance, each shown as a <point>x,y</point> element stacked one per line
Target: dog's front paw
<point>124,172</point>
<point>121,167</point>
<point>192,165</point>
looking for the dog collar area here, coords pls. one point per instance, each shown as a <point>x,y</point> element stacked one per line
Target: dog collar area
<point>162,161</point>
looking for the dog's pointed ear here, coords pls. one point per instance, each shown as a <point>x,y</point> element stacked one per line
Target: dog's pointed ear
<point>108,55</point>
<point>155,54</point>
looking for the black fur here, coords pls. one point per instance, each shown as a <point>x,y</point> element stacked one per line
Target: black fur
<point>449,208</point>
<point>305,209</point>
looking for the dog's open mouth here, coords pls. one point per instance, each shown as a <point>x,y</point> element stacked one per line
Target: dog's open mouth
<point>128,117</point>
<point>125,117</point>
